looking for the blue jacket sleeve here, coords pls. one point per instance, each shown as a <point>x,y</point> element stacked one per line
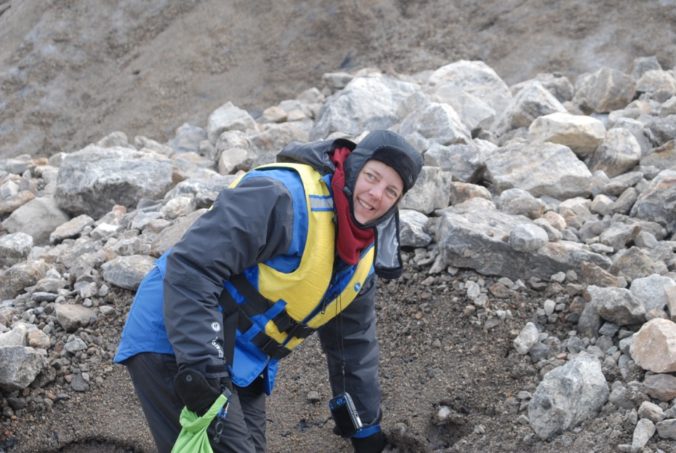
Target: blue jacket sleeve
<point>349,342</point>
<point>246,225</point>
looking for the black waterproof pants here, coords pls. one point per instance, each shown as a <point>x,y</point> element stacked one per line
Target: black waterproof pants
<point>153,378</point>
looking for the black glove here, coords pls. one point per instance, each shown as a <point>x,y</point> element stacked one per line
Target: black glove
<point>197,392</point>
<point>375,443</point>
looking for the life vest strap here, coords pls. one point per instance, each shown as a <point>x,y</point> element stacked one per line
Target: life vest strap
<point>256,304</point>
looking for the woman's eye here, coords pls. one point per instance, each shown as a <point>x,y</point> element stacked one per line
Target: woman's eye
<point>392,193</point>
<point>370,176</point>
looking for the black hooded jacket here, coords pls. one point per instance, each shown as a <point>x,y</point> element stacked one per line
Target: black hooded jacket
<point>252,223</point>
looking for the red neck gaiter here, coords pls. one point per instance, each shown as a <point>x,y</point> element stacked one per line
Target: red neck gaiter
<point>351,239</point>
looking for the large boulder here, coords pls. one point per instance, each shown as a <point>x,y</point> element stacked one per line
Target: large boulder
<point>91,181</point>
<point>658,202</point>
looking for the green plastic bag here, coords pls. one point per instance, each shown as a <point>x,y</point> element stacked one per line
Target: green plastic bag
<point>193,437</point>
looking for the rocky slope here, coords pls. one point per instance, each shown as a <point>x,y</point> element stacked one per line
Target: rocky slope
<point>72,71</point>
<point>537,312</point>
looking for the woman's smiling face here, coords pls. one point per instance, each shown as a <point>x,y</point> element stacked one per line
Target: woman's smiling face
<point>377,189</point>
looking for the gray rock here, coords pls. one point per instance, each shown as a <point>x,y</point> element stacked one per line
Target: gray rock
<point>95,179</point>
<point>657,84</point>
<point>127,271</point>
<point>39,217</point>
<point>20,276</point>
<point>635,263</point>
<point>663,129</point>
<point>531,102</point>
<point>412,229</point>
<point>438,123</point>
<point>71,317</point>
<point>642,65</point>
<point>658,202</point>
<point>645,429</point>
<point>651,291</point>
<point>462,191</point>
<point>651,411</point>
<point>520,202</point>
<point>526,339</point>
<point>14,248</point>
<point>172,234</point>
<point>527,237</point>
<point>19,366</point>
<point>475,235</point>
<point>472,111</point>
<point>71,229</point>
<point>604,90</point>
<point>619,152</point>
<point>15,337</point>
<point>228,117</point>
<point>463,162</point>
<point>666,429</point>
<point>662,158</point>
<point>366,103</point>
<point>660,386</point>
<point>582,134</point>
<point>75,344</point>
<point>431,191</point>
<point>617,305</point>
<point>541,169</point>
<point>475,78</point>
<point>188,138</point>
<point>567,395</point>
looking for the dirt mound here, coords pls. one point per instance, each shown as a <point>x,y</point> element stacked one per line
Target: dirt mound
<point>71,72</point>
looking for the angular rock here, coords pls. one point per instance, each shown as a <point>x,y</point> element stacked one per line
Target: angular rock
<point>527,237</point>
<point>475,78</point>
<point>652,291</point>
<point>71,229</point>
<point>95,179</point>
<point>20,276</point>
<point>619,152</point>
<point>38,218</point>
<point>541,169</point>
<point>526,339</point>
<point>658,202</point>
<point>567,395</point>
<point>581,133</point>
<point>531,102</point>
<point>366,103</point>
<point>616,305</point>
<point>431,191</point>
<point>38,339</point>
<point>228,117</point>
<point>462,162</point>
<point>635,263</point>
<point>15,337</point>
<point>473,112</point>
<point>14,248</point>
<point>127,271</point>
<point>412,229</point>
<point>462,191</point>
<point>662,157</point>
<point>657,83</point>
<point>604,90</point>
<point>645,429</point>
<point>172,234</point>
<point>654,346</point>
<point>71,317</point>
<point>19,366</point>
<point>666,429</point>
<point>660,386</point>
<point>475,235</point>
<point>663,129</point>
<point>651,411</point>
<point>438,123</point>
<point>188,138</point>
<point>520,202</point>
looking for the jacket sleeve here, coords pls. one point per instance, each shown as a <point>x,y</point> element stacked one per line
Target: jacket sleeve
<point>246,225</point>
<point>349,341</point>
